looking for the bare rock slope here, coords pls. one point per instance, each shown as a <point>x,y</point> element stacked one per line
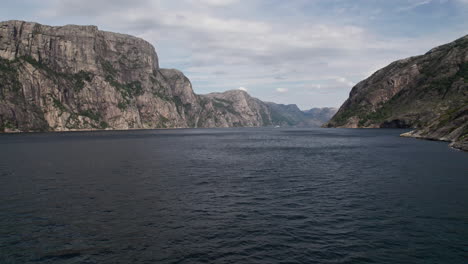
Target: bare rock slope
<point>78,77</point>
<point>428,93</point>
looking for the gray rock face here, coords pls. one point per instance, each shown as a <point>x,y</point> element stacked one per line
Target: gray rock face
<point>80,78</point>
<point>233,108</point>
<point>77,77</point>
<point>428,93</point>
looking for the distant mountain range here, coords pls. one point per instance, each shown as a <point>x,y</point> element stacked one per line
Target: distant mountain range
<point>428,93</point>
<point>80,78</point>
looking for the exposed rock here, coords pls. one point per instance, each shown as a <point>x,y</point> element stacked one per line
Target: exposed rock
<point>233,108</point>
<point>428,93</point>
<point>81,78</point>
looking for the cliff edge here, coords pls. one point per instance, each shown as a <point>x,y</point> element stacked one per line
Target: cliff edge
<point>81,78</point>
<point>428,93</point>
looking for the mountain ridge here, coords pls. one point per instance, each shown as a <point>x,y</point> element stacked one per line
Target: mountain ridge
<point>428,93</point>
<point>73,77</point>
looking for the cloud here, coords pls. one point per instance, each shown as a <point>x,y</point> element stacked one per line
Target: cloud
<point>314,86</point>
<point>345,81</point>
<point>282,90</point>
<point>217,2</point>
<point>414,4</point>
<point>242,89</point>
<point>225,44</point>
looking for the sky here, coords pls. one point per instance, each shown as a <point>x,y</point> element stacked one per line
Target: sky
<point>305,52</point>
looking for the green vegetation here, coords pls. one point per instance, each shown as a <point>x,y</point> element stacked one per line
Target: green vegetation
<point>278,119</point>
<point>163,121</point>
<point>378,116</point>
<point>449,115</point>
<point>223,100</point>
<point>95,116</point>
<point>77,80</point>
<point>443,85</point>
<point>7,124</point>
<point>463,72</point>
<point>103,125</point>
<point>265,118</point>
<point>29,59</point>
<point>431,84</point>
<point>109,70</point>
<point>72,122</point>
<point>128,90</point>
<point>9,77</point>
<point>355,110</point>
<point>122,106</point>
<point>154,81</point>
<point>225,105</point>
<point>36,29</point>
<point>80,78</point>
<point>57,104</point>
<point>162,96</point>
<point>464,134</point>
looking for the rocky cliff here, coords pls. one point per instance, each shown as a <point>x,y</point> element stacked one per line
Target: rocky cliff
<point>238,108</point>
<point>78,77</point>
<point>428,93</point>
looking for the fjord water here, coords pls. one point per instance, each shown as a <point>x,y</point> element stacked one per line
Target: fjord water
<point>232,196</point>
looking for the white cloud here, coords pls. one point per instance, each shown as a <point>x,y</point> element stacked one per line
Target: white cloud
<point>414,4</point>
<point>345,81</point>
<point>282,90</point>
<point>225,44</point>
<point>314,86</point>
<point>217,2</point>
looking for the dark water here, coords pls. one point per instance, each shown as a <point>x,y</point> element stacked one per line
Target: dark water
<point>232,196</point>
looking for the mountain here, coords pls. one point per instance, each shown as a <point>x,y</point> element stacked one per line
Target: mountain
<point>291,115</point>
<point>81,78</point>
<point>428,93</point>
<point>321,115</point>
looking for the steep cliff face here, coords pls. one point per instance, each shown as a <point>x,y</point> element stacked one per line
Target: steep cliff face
<point>77,77</point>
<point>427,92</point>
<point>81,78</point>
<point>233,108</point>
<point>238,108</point>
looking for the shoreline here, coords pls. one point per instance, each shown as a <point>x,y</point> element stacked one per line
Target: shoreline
<point>411,134</point>
<point>452,144</point>
<point>128,129</point>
